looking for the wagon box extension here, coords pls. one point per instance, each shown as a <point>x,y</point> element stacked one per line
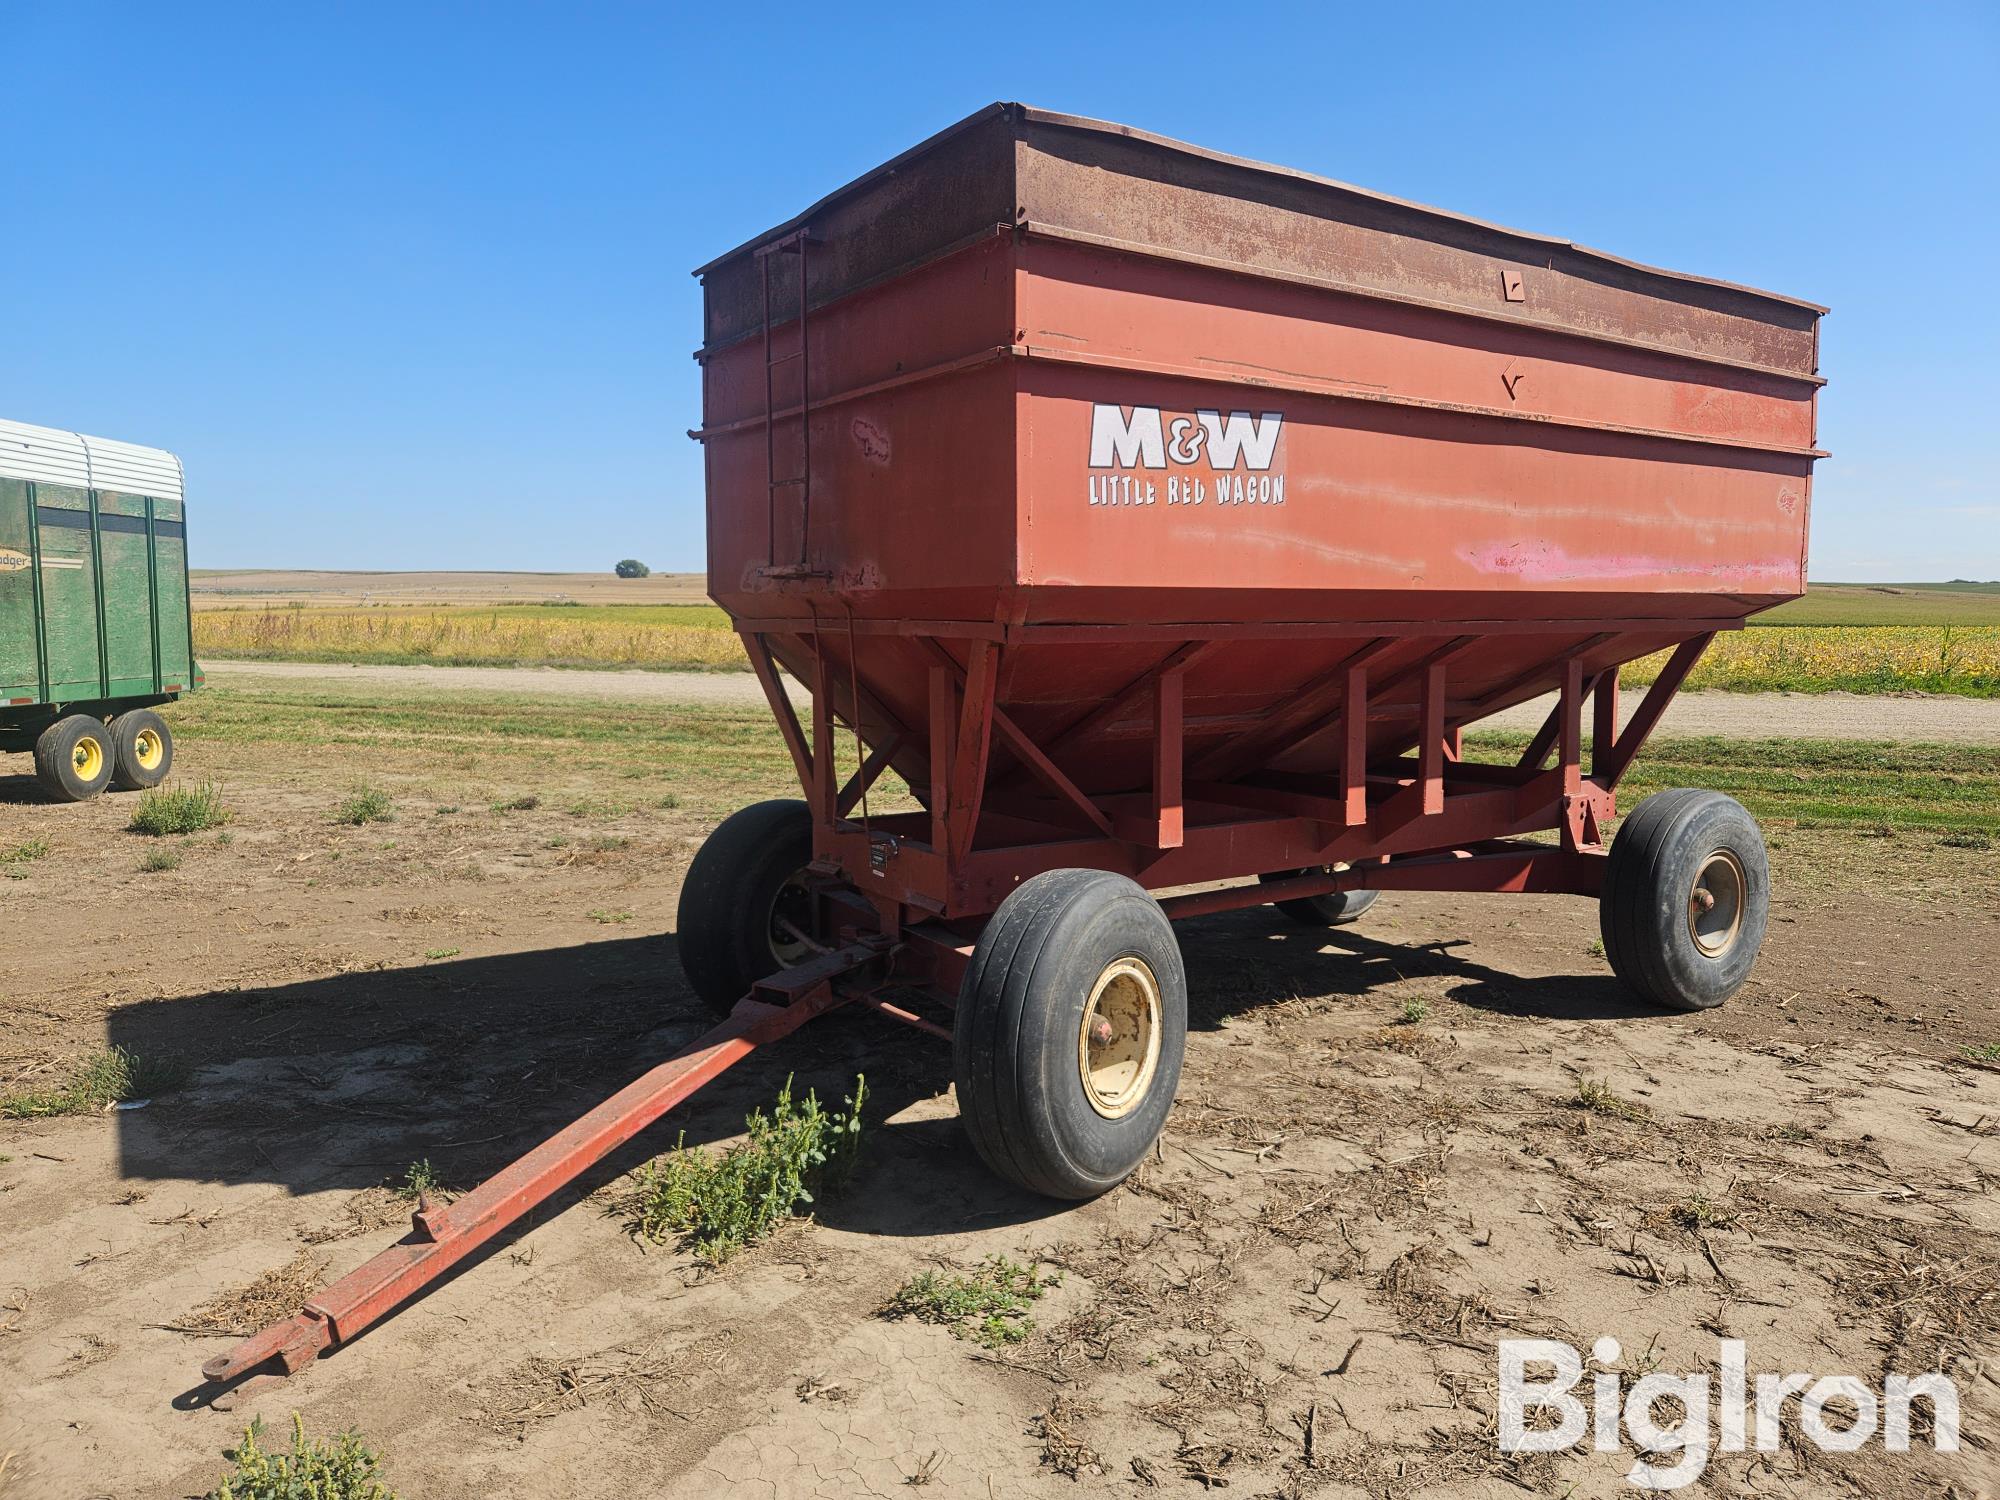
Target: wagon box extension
<point>94,621</point>
<point>1161,520</point>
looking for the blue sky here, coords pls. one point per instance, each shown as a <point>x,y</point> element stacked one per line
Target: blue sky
<point>407,285</point>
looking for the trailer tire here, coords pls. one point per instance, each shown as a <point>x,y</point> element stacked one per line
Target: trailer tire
<point>143,749</point>
<point>74,758</point>
<point>730,900</point>
<point>1071,1024</point>
<point>1335,910</point>
<point>1687,892</point>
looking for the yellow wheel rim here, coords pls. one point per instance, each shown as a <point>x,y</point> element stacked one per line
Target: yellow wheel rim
<point>148,749</point>
<point>1118,1046</point>
<point>88,758</point>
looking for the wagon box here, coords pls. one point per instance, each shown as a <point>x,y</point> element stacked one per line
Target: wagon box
<point>94,623</point>
<point>1161,520</point>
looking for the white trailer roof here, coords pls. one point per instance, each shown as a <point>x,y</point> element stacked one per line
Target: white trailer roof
<point>48,455</point>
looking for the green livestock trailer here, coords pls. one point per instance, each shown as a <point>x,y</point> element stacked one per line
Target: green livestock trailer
<point>94,625</point>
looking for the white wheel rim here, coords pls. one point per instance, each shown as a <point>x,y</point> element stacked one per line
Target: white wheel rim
<point>1118,1044</point>
<point>1715,903</point>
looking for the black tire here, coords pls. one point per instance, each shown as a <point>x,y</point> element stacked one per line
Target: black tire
<point>74,759</point>
<point>1030,1090</point>
<point>1336,910</point>
<point>1687,895</point>
<point>143,748</point>
<point>731,898</point>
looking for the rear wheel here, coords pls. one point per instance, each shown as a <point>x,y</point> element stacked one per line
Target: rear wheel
<point>1336,910</point>
<point>1686,898</point>
<point>74,758</point>
<point>143,748</point>
<point>744,896</point>
<point>1071,1024</point>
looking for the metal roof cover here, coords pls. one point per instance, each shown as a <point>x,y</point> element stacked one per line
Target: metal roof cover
<point>49,455</point>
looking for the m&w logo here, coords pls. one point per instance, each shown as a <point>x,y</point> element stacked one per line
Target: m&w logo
<point>1199,457</point>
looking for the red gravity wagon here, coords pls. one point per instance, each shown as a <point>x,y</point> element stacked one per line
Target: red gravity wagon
<point>1160,519</point>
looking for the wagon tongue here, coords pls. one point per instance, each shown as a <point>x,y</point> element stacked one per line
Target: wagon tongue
<point>440,1237</point>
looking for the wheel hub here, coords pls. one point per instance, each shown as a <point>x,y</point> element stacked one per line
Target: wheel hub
<point>1118,1044</point>
<point>791,916</point>
<point>1715,904</point>
<point>87,758</point>
<point>147,749</point>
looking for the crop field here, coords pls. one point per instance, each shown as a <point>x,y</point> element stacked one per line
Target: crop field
<point>1950,658</point>
<point>678,637</point>
<point>1960,603</point>
<point>1957,659</point>
<point>413,931</point>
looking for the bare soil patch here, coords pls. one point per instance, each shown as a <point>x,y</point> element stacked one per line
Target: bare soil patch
<point>1300,1294</point>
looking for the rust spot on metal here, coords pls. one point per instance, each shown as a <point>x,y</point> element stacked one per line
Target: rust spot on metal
<point>871,441</point>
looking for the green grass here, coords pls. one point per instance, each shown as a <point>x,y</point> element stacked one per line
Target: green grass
<point>364,804</point>
<point>1984,1052</point>
<point>419,1178</point>
<point>990,1306</point>
<point>340,1468</point>
<point>112,1076</point>
<point>719,757</point>
<point>1890,604</point>
<point>25,852</point>
<point>168,811</point>
<point>159,859</point>
<point>1951,789</point>
<point>717,1202</point>
<point>716,757</point>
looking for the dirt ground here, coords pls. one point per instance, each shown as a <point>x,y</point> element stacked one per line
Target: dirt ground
<point>1395,1145</point>
<point>1832,716</point>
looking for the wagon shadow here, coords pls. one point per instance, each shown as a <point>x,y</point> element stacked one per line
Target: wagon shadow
<point>24,791</point>
<point>343,1081</point>
<point>1240,960</point>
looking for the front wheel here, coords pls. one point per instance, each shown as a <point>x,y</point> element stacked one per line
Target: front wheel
<point>74,759</point>
<point>1687,893</point>
<point>745,902</point>
<point>1071,1024</point>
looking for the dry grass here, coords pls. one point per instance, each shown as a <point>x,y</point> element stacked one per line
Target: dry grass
<point>648,1378</point>
<point>1062,1449</point>
<point>693,637</point>
<point>275,1295</point>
